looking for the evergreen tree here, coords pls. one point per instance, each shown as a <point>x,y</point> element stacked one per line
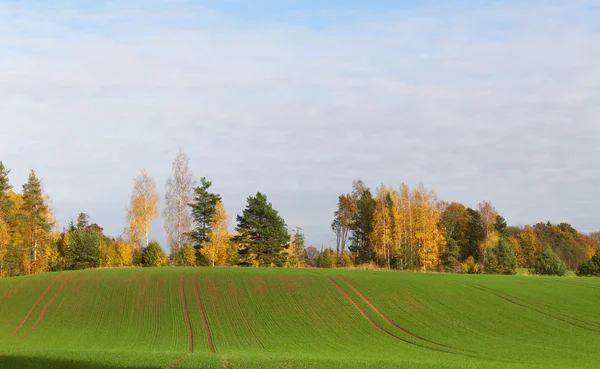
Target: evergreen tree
<point>548,263</point>
<point>501,259</point>
<point>34,213</point>
<point>590,267</point>
<point>203,210</point>
<point>153,255</point>
<point>83,221</point>
<point>475,235</point>
<point>450,255</point>
<point>362,227</point>
<point>262,233</point>
<point>501,226</point>
<point>85,248</point>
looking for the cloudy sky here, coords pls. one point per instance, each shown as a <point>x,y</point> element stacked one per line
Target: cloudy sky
<point>481,100</point>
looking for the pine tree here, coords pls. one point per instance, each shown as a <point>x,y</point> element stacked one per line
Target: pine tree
<point>34,211</point>
<point>203,211</point>
<point>362,227</point>
<point>262,233</point>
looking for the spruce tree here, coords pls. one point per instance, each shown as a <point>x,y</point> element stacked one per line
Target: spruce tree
<point>203,210</point>
<point>262,233</point>
<point>34,213</point>
<point>362,227</point>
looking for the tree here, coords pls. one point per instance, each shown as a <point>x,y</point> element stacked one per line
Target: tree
<point>83,221</point>
<point>262,233</point>
<point>343,221</point>
<point>311,253</point>
<point>548,263</point>
<point>179,194</point>
<point>475,236</point>
<point>203,209</point>
<point>154,256</point>
<point>382,234</point>
<point>143,209</point>
<point>362,226</point>
<point>188,255</point>
<point>5,201</point>
<point>85,246</point>
<point>4,239</point>
<point>295,254</point>
<point>34,213</point>
<point>216,248</point>
<point>454,223</point>
<point>488,216</point>
<point>501,259</point>
<point>590,267</point>
<point>428,236</point>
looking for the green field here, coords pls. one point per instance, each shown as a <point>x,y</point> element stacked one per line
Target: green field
<point>296,318</point>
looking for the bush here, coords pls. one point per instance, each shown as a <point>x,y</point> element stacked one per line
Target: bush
<point>188,255</point>
<point>344,261</point>
<point>590,267</point>
<point>469,266</point>
<point>154,255</point>
<point>548,263</point>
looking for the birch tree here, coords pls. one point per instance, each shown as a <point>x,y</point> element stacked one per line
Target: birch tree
<point>179,194</point>
<point>143,208</point>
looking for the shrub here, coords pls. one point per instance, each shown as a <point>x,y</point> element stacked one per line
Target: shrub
<point>188,255</point>
<point>590,267</point>
<point>344,261</point>
<point>469,266</point>
<point>154,255</point>
<point>548,263</point>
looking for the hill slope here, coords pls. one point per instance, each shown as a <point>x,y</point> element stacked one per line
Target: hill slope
<point>235,317</point>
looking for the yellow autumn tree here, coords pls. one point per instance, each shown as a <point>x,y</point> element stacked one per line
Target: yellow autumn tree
<point>382,236</point>
<point>216,249</point>
<point>4,239</point>
<point>488,219</point>
<point>428,236</point>
<point>143,209</point>
<point>124,254</point>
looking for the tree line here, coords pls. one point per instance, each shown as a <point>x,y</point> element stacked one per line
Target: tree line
<point>391,228</point>
<point>411,229</point>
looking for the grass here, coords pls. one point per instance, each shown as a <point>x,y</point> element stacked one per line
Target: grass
<point>289,318</point>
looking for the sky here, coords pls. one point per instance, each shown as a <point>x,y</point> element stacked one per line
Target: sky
<point>479,100</point>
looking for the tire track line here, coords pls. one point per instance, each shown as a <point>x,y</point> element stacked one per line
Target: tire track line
<point>35,305</point>
<point>43,312</point>
<point>375,309</point>
<point>442,350</point>
<point>374,324</point>
<point>211,345</point>
<point>547,308</point>
<point>533,309</point>
<point>173,364</point>
<point>186,314</point>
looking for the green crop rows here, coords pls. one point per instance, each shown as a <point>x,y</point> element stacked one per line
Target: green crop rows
<point>295,318</point>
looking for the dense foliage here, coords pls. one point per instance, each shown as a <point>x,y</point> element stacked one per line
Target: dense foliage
<point>548,263</point>
<point>392,228</point>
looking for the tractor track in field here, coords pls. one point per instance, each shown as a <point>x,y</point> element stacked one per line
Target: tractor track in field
<point>375,309</point>
<point>537,310</point>
<point>35,305</point>
<point>186,314</point>
<point>43,312</point>
<point>211,345</point>
<point>385,331</point>
<point>547,308</point>
<point>173,364</point>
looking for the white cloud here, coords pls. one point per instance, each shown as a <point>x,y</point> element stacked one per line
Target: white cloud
<point>496,102</point>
